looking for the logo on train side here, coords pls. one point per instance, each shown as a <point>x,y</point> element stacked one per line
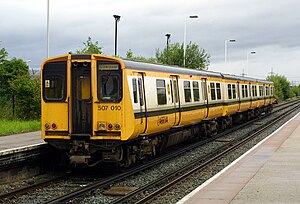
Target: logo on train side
<point>162,120</point>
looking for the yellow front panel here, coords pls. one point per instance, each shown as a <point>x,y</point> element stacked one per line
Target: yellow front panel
<point>115,113</point>
<point>54,113</point>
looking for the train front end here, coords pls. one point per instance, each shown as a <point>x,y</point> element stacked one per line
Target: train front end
<point>83,107</point>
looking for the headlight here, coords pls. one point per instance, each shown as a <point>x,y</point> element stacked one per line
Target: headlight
<point>47,126</point>
<point>101,126</point>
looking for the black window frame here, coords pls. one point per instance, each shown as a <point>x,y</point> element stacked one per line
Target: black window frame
<point>55,70</point>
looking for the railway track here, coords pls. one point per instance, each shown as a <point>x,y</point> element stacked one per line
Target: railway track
<point>27,189</point>
<point>187,173</point>
<point>105,183</point>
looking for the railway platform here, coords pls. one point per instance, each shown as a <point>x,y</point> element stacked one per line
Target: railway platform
<point>267,173</point>
<point>23,141</point>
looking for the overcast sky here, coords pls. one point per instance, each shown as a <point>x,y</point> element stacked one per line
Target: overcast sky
<point>271,28</point>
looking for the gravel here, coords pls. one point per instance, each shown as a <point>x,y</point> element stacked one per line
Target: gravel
<point>175,194</point>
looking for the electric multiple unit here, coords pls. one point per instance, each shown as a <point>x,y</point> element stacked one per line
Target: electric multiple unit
<point>104,109</point>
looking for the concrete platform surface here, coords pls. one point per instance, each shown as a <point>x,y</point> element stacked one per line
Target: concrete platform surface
<point>20,140</point>
<point>268,173</point>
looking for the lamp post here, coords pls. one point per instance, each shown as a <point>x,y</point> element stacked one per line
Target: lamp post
<point>249,53</point>
<point>184,37</point>
<point>225,54</point>
<point>117,19</point>
<point>168,35</point>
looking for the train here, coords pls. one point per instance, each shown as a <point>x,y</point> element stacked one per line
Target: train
<point>98,108</point>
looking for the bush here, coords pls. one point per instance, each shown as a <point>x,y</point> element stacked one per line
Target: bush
<point>27,97</point>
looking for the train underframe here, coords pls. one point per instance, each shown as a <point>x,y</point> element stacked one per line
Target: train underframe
<point>124,154</point>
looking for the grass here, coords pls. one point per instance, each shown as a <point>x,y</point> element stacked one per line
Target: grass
<point>8,127</point>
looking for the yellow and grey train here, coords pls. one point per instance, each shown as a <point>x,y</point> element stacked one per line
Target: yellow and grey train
<point>104,109</point>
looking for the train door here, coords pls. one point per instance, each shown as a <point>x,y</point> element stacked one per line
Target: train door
<point>205,94</point>
<point>81,99</point>
<point>142,100</point>
<point>175,99</point>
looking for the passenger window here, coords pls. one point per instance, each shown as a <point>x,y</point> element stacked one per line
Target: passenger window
<point>196,91</point>
<point>243,91</point>
<point>261,92</point>
<point>134,89</point>
<point>229,91</point>
<point>141,93</point>
<point>272,91</point>
<point>204,90</point>
<point>176,91</point>
<point>161,92</point>
<point>187,91</point>
<point>218,86</point>
<point>212,91</point>
<point>172,97</point>
<point>267,91</point>
<point>256,91</point>
<point>246,91</point>
<point>233,91</point>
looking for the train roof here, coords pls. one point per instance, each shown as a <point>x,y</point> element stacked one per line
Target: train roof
<point>144,66</point>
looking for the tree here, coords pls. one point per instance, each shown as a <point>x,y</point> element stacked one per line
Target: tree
<point>3,55</point>
<point>129,54</point>
<point>90,48</point>
<point>282,87</point>
<point>196,58</point>
<point>296,90</point>
<point>19,93</point>
<point>9,70</point>
<point>27,94</point>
